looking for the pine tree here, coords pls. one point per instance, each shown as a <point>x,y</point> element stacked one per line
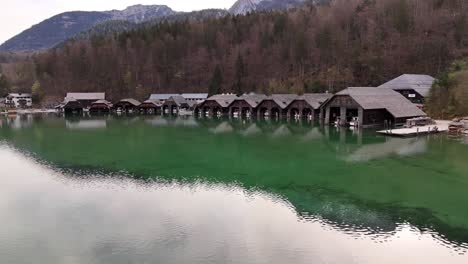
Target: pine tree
<point>216,81</point>
<point>240,74</point>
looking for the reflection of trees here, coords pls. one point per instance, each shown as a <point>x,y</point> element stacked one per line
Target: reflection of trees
<point>307,167</point>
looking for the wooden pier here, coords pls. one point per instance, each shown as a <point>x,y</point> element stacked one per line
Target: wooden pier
<point>440,126</point>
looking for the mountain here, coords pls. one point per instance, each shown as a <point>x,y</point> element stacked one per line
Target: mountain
<point>61,27</point>
<point>119,26</point>
<point>245,6</point>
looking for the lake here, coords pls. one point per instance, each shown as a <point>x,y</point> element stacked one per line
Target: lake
<point>126,190</point>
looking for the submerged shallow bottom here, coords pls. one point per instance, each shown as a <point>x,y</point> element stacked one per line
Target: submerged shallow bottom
<point>60,203</point>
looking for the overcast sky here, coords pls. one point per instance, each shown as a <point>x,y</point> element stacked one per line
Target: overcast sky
<point>18,15</point>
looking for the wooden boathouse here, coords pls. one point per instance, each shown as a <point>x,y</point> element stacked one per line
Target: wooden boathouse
<point>246,105</point>
<point>275,106</point>
<point>414,87</point>
<point>175,104</point>
<point>216,105</point>
<point>101,106</point>
<point>308,106</point>
<point>151,107</point>
<point>85,99</point>
<point>72,106</point>
<point>369,106</point>
<point>128,105</point>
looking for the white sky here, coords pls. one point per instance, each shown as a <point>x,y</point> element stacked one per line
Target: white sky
<point>19,15</point>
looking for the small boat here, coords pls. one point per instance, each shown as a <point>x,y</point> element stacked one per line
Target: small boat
<point>184,112</point>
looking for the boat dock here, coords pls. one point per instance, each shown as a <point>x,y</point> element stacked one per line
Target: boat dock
<point>438,127</point>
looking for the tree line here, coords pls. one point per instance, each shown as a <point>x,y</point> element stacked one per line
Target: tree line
<point>308,49</point>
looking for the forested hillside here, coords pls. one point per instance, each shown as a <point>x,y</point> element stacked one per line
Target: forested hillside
<point>449,95</point>
<point>310,49</point>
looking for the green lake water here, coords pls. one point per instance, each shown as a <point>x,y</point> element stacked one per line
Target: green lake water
<point>155,190</point>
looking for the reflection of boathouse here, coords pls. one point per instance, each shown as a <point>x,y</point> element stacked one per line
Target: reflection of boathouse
<point>370,107</point>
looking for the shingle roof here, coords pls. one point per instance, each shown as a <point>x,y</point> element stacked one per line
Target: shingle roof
<point>178,100</point>
<point>85,96</point>
<point>418,82</point>
<point>253,99</point>
<point>161,97</point>
<point>374,98</point>
<point>156,103</point>
<point>315,100</point>
<point>224,100</point>
<point>283,100</point>
<point>102,102</point>
<point>131,101</point>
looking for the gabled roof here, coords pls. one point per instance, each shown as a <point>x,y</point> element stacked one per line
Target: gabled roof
<point>315,100</point>
<point>252,99</point>
<point>131,101</point>
<point>224,100</point>
<point>419,82</point>
<point>85,96</point>
<point>156,103</point>
<point>374,98</point>
<point>162,97</point>
<point>178,100</point>
<point>105,102</point>
<point>283,100</point>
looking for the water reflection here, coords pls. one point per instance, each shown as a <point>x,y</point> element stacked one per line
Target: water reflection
<point>61,217</point>
<point>350,182</point>
<point>86,124</point>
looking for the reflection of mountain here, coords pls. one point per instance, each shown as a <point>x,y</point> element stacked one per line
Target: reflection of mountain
<point>311,175</point>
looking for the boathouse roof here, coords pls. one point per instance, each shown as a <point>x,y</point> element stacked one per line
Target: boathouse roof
<point>85,96</point>
<point>162,97</point>
<point>283,100</point>
<point>224,100</point>
<point>178,100</point>
<point>131,101</point>
<point>315,99</point>
<point>252,99</point>
<point>156,103</point>
<point>373,98</point>
<point>104,102</point>
<point>419,82</point>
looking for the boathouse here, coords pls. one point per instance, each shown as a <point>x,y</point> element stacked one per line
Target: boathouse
<point>369,106</point>
<point>216,105</point>
<point>307,106</point>
<point>101,106</point>
<point>275,106</point>
<point>128,105</point>
<point>246,105</point>
<point>72,106</point>
<point>85,99</point>
<point>174,104</point>
<point>415,87</point>
<point>151,107</point>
